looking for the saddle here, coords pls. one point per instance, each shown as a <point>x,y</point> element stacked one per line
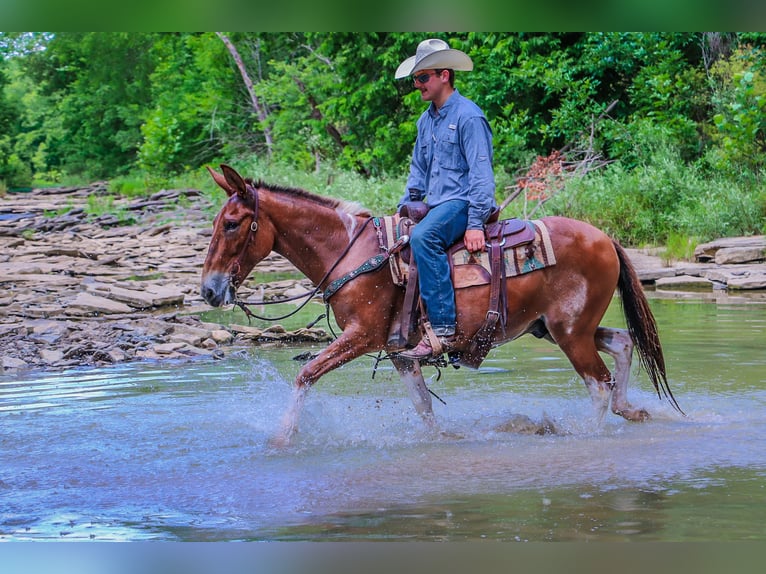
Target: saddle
<point>500,236</point>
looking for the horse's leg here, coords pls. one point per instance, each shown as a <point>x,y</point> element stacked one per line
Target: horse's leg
<point>290,418</point>
<point>348,346</point>
<point>582,353</point>
<point>412,377</point>
<point>618,344</point>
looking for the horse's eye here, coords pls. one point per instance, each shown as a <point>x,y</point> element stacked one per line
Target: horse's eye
<point>230,225</point>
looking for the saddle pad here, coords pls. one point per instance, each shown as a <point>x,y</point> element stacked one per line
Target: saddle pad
<point>471,269</point>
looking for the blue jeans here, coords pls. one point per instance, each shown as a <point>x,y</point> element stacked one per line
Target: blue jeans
<point>431,237</point>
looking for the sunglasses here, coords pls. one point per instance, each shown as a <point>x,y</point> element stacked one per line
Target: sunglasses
<point>422,78</point>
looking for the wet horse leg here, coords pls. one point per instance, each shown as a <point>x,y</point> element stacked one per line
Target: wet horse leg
<point>618,344</point>
<point>582,353</point>
<point>345,348</point>
<point>412,377</point>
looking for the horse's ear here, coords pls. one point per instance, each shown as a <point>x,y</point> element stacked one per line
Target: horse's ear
<point>221,181</point>
<point>235,181</point>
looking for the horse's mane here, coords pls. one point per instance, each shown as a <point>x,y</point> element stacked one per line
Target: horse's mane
<point>349,207</point>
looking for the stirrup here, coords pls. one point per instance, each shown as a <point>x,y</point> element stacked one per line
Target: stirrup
<point>424,350</point>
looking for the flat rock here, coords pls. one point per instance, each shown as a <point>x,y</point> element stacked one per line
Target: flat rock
<point>740,255</point>
<point>89,303</point>
<point>684,282</point>
<point>653,274</point>
<point>9,363</point>
<point>144,298</point>
<point>749,281</point>
<point>707,251</point>
<point>51,355</point>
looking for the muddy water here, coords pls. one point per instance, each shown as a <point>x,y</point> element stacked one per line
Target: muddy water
<point>180,451</point>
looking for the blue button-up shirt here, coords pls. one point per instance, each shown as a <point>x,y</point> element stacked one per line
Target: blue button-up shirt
<point>452,158</point>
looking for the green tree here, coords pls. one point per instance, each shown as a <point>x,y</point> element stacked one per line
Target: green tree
<point>99,86</point>
<point>191,103</point>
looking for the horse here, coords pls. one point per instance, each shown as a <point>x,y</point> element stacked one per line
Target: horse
<point>327,239</point>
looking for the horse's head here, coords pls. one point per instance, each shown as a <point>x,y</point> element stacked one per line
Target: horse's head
<point>242,237</point>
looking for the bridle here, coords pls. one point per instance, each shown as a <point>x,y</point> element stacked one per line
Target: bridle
<point>237,267</point>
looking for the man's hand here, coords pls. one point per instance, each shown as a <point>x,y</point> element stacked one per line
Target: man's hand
<point>474,240</point>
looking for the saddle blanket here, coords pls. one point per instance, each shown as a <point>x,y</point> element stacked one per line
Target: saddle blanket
<point>474,268</point>
<point>469,269</point>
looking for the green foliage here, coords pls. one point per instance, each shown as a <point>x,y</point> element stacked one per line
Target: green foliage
<point>662,197</point>
<point>130,185</point>
<point>98,205</point>
<point>688,134</point>
<point>739,85</point>
<point>679,247</point>
<point>93,87</point>
<point>191,91</point>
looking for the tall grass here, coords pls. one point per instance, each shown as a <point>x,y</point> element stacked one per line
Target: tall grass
<point>665,199</point>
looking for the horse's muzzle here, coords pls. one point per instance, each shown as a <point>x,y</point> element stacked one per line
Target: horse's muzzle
<point>217,290</point>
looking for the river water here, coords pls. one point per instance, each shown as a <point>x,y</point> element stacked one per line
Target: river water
<point>179,452</point>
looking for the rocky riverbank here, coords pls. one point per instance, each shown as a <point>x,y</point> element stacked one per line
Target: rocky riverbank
<point>733,264</point>
<point>78,290</point>
<point>81,290</point>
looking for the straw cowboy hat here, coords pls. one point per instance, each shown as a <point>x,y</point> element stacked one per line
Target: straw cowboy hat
<point>434,54</point>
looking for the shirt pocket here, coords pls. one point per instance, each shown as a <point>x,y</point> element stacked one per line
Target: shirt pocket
<point>450,154</point>
<point>424,151</point>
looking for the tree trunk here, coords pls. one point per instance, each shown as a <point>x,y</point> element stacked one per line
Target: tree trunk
<point>260,112</point>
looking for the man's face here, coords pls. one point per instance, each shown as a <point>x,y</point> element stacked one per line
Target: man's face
<point>430,83</point>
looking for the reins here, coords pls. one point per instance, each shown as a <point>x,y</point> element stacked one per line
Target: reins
<point>369,265</point>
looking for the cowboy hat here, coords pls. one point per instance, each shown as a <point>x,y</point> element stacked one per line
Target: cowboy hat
<point>434,54</point>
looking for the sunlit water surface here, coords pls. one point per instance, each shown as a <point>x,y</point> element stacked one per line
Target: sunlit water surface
<point>181,452</point>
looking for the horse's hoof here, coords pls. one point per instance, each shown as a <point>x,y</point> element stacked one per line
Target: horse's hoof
<point>279,442</point>
<point>635,415</point>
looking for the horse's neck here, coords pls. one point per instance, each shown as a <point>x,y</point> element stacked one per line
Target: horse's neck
<point>312,237</point>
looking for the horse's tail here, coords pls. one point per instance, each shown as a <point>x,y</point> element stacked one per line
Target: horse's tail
<point>642,326</point>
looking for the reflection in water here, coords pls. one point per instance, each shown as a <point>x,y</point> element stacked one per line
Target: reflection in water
<point>179,452</point>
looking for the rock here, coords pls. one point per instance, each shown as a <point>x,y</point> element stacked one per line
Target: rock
<point>149,354</point>
<point>167,348</point>
<point>250,332</point>
<point>651,275</point>
<point>154,328</point>
<point>684,282</point>
<point>208,344</point>
<point>707,251</point>
<point>143,298</point>
<point>51,355</point>
<point>221,336</point>
<point>187,334</point>
<point>117,355</point>
<point>10,363</point>
<point>87,303</point>
<point>749,281</point>
<point>522,424</point>
<point>739,255</point>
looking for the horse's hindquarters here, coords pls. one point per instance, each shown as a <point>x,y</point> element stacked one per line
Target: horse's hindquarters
<point>567,299</point>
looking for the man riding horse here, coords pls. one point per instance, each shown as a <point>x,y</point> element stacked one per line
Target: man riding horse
<point>451,170</point>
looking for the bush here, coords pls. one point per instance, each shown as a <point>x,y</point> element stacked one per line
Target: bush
<point>664,197</point>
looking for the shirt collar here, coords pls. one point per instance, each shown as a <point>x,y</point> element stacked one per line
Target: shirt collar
<point>443,110</point>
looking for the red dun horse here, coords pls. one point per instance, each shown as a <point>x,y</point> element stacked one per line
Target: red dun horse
<point>327,239</point>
